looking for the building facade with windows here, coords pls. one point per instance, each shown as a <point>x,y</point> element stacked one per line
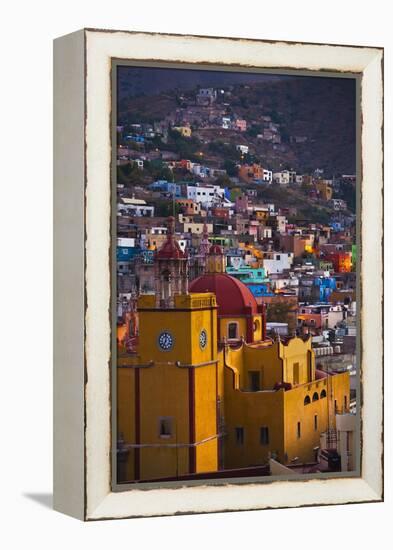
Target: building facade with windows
<point>205,389</point>
<point>206,195</point>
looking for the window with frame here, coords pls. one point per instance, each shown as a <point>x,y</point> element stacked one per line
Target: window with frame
<point>239,435</point>
<point>254,380</point>
<point>315,422</point>
<point>296,373</point>
<point>232,330</point>
<point>299,430</point>
<point>264,435</point>
<point>165,426</point>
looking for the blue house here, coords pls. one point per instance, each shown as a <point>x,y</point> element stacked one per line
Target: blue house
<point>253,277</point>
<point>326,286</point>
<point>166,187</point>
<point>136,138</point>
<point>127,253</point>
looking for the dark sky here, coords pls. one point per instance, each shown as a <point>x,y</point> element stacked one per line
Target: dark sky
<point>151,81</point>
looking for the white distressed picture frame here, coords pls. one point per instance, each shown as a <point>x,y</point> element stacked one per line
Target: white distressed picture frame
<point>82,243</point>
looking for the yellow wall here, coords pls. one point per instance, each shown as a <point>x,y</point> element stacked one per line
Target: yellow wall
<point>251,411</point>
<point>258,332</point>
<point>295,411</point>
<point>126,413</point>
<point>275,362</point>
<point>205,418</point>
<point>265,359</point>
<point>300,352</point>
<point>166,379</point>
<point>156,402</point>
<point>241,330</point>
<point>279,410</point>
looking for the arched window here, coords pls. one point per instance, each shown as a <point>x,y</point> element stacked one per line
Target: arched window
<point>315,397</point>
<point>232,330</point>
<point>307,400</point>
<point>323,394</point>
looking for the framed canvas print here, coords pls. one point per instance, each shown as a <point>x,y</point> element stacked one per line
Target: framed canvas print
<point>218,274</point>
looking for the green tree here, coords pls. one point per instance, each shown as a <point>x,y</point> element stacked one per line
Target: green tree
<point>223,181</point>
<point>230,167</point>
<point>164,208</point>
<point>281,312</point>
<point>129,175</point>
<point>254,130</point>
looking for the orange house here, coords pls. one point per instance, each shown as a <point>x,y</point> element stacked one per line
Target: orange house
<point>342,261</point>
<point>248,173</point>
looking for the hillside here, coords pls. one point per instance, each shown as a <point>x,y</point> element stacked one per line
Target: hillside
<point>316,116</point>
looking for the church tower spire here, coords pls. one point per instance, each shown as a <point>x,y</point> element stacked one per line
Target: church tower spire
<point>171,269</point>
<point>215,260</point>
<point>204,246</point>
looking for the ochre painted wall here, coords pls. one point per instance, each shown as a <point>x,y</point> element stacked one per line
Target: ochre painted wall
<point>296,411</point>
<point>179,385</point>
<point>155,404</point>
<point>279,410</point>
<point>296,351</point>
<point>126,413</point>
<point>251,411</point>
<point>206,391</point>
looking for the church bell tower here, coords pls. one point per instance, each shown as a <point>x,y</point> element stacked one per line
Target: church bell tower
<point>171,270</point>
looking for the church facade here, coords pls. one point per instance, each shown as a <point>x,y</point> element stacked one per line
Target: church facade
<point>206,391</point>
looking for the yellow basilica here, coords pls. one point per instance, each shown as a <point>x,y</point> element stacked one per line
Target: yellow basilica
<point>206,391</point>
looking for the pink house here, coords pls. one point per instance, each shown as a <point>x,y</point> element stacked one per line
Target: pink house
<point>241,124</point>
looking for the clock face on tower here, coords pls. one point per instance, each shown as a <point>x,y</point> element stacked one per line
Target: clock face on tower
<point>203,339</point>
<point>165,341</point>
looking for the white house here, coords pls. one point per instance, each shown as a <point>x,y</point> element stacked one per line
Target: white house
<point>138,163</point>
<point>282,178</point>
<point>267,176</point>
<point>277,262</point>
<point>207,195</point>
<point>226,122</point>
<point>135,207</point>
<point>281,224</point>
<point>242,148</point>
<point>335,315</point>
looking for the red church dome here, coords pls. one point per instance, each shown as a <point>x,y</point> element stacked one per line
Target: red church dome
<point>233,297</point>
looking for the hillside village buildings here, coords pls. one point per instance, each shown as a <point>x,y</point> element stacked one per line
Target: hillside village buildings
<point>236,317</point>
